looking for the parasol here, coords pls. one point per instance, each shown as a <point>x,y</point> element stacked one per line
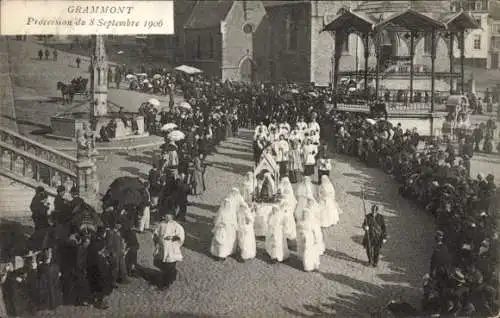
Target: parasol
<point>131,77</point>
<point>123,192</point>
<point>120,52</point>
<point>145,81</point>
<point>188,69</point>
<point>185,105</point>
<point>313,94</point>
<point>176,135</point>
<point>156,76</point>
<point>294,91</point>
<point>154,102</point>
<point>371,121</point>
<point>169,126</point>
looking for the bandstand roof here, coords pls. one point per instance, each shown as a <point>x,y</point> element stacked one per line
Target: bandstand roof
<point>460,21</point>
<point>401,16</point>
<point>411,20</point>
<point>354,20</point>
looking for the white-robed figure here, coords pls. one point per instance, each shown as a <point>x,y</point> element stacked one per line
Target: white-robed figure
<point>314,126</point>
<point>260,130</point>
<point>246,234</point>
<point>315,210</point>
<point>304,194</point>
<point>245,217</point>
<point>309,243</point>
<point>329,209</point>
<point>168,237</point>
<point>224,231</point>
<point>288,204</point>
<point>248,187</point>
<point>276,244</point>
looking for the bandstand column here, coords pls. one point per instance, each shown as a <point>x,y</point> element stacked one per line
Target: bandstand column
<point>462,61</point>
<point>336,60</point>
<point>412,66</point>
<point>367,55</point>
<point>433,68</point>
<point>450,53</point>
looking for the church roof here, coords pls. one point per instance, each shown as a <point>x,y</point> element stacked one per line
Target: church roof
<point>208,14</point>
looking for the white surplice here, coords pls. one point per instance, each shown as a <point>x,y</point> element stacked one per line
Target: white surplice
<point>167,250</point>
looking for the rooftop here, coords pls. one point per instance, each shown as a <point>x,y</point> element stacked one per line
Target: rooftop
<point>208,14</point>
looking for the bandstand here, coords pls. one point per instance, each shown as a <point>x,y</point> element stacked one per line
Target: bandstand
<point>403,42</point>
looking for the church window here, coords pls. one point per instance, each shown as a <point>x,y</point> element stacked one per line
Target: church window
<point>477,42</point>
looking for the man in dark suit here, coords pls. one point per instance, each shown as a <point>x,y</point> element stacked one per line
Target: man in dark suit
<point>375,235</point>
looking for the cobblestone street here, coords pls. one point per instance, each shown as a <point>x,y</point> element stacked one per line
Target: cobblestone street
<point>344,286</point>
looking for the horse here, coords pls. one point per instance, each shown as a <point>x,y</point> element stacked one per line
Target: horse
<point>67,92</point>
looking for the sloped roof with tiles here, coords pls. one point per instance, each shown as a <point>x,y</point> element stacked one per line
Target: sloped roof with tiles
<point>208,14</point>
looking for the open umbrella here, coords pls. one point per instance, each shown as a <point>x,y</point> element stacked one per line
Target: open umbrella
<point>125,192</point>
<point>120,52</point>
<point>313,94</point>
<point>168,127</point>
<point>188,69</point>
<point>176,135</point>
<point>154,102</point>
<point>156,76</point>
<point>130,77</point>
<point>371,121</point>
<point>294,91</point>
<point>185,105</point>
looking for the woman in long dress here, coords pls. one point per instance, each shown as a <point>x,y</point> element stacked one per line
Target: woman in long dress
<point>308,241</point>
<point>329,209</point>
<point>276,244</point>
<point>288,205</point>
<point>225,226</point>
<point>198,177</point>
<point>246,234</point>
<point>314,209</point>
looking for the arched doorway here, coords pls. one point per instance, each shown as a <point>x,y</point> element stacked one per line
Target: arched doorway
<point>246,70</point>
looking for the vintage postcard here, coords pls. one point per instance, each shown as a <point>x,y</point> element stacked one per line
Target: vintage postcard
<point>222,158</point>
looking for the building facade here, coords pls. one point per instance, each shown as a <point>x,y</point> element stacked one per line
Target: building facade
<point>285,41</point>
<point>477,42</point>
<point>494,25</point>
<point>219,38</point>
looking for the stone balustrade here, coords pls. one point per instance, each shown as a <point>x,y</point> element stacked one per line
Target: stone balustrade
<point>36,164</point>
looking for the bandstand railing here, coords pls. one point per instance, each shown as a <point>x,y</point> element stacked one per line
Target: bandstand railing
<point>35,164</point>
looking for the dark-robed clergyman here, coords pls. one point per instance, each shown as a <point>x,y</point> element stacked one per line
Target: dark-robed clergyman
<point>375,235</point>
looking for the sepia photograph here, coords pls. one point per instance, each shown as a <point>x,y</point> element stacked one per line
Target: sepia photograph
<point>220,158</point>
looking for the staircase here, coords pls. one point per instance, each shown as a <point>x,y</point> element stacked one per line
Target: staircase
<point>26,164</point>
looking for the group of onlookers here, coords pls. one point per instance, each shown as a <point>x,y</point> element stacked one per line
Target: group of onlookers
<point>463,276</point>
